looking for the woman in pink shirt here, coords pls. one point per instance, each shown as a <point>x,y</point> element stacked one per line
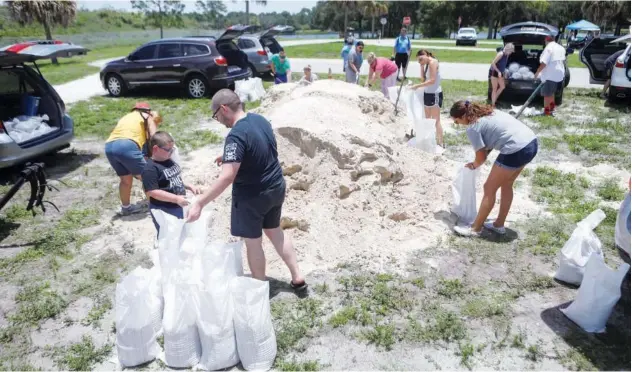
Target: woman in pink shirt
<point>385,68</point>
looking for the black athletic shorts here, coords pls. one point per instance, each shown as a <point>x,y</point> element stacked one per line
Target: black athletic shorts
<point>493,73</point>
<point>401,60</point>
<point>433,99</point>
<point>248,217</point>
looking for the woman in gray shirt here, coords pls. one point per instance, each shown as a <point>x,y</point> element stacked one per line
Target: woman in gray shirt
<point>487,130</point>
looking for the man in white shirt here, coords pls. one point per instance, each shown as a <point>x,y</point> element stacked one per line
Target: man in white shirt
<point>551,72</point>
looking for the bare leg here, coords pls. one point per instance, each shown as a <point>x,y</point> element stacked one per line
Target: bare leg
<point>494,82</point>
<point>125,189</point>
<point>496,178</point>
<point>605,87</point>
<point>436,114</point>
<point>285,249</point>
<point>499,90</point>
<point>256,258</point>
<point>506,198</point>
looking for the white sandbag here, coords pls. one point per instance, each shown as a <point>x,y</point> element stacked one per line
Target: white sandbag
<point>392,93</point>
<point>524,70</point>
<point>139,309</point>
<point>516,75</point>
<point>215,326</point>
<point>256,340</point>
<point>425,138</point>
<point>529,75</point>
<point>4,138</point>
<point>258,91</point>
<point>579,247</point>
<point>513,67</point>
<point>182,341</point>
<point>250,90</point>
<point>621,230</point>
<point>598,294</point>
<point>464,195</point>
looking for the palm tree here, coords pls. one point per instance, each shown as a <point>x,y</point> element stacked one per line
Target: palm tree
<point>260,2</point>
<point>603,12</point>
<point>48,13</point>
<point>345,6</point>
<point>373,9</point>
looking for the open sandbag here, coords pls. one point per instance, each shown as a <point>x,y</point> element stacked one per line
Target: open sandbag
<point>598,294</point>
<point>425,138</point>
<point>138,317</point>
<point>578,249</point>
<point>256,340</point>
<point>622,226</point>
<point>464,195</point>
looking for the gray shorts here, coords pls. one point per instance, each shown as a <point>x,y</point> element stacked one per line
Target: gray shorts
<point>549,88</point>
<point>248,217</point>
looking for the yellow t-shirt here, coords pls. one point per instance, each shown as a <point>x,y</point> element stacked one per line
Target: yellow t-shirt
<point>131,126</point>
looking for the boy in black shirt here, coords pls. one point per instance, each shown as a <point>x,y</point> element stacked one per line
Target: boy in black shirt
<point>162,180</point>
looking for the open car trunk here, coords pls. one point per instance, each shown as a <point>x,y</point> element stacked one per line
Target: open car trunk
<point>595,54</point>
<point>27,111</point>
<point>234,56</point>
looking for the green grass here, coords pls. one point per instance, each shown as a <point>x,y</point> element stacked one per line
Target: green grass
<point>441,326</point>
<point>450,288</point>
<point>293,319</point>
<point>486,307</point>
<point>466,351</point>
<point>610,190</point>
<point>293,365</point>
<point>37,302</point>
<point>332,51</point>
<point>381,336</point>
<point>98,116</point>
<point>102,305</point>
<point>83,355</point>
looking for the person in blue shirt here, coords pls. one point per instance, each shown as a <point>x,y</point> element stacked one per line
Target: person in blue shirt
<point>401,52</point>
<point>346,48</point>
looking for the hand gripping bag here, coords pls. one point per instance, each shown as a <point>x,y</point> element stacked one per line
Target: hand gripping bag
<point>425,138</point>
<point>139,309</point>
<point>464,195</point>
<point>256,340</point>
<point>598,294</point>
<point>578,249</point>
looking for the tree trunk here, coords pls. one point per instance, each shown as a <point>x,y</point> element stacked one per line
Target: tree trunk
<point>496,28</point>
<point>344,32</point>
<point>490,25</point>
<point>360,27</point>
<point>49,36</point>
<point>373,27</point>
<point>160,18</point>
<point>247,12</point>
<point>617,30</point>
<point>414,28</point>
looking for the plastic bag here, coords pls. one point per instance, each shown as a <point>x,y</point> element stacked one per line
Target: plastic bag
<point>524,70</point>
<point>579,247</point>
<point>139,309</point>
<point>622,226</point>
<point>513,67</point>
<point>256,340</point>
<point>464,195</point>
<point>250,90</point>
<point>215,326</point>
<point>599,292</point>
<point>425,138</point>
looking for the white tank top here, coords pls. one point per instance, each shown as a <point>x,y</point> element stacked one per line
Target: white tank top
<point>436,86</point>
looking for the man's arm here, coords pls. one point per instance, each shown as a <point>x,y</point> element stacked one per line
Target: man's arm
<point>272,65</point>
<point>226,177</point>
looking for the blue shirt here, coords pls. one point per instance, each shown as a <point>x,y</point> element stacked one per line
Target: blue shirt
<point>402,44</point>
<point>251,142</point>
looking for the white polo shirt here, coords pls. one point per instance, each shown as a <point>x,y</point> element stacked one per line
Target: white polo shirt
<point>553,56</point>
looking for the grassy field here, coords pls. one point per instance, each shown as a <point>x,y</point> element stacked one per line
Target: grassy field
<point>332,51</point>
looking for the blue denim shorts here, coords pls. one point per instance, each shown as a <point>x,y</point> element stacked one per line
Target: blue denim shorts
<point>125,157</point>
<point>519,158</point>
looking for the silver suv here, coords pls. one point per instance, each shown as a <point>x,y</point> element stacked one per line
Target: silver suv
<point>259,47</point>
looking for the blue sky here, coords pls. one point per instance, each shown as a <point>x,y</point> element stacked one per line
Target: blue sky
<point>273,5</point>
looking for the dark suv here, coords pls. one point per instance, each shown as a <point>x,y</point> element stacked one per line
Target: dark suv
<point>197,64</point>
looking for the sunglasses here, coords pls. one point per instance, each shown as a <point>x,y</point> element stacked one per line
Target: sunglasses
<point>170,150</point>
<point>214,117</point>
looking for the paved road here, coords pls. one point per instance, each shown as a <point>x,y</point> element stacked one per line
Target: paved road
<point>84,88</point>
<point>389,43</point>
<point>449,70</point>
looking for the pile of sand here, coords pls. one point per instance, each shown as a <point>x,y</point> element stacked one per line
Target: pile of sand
<point>356,192</point>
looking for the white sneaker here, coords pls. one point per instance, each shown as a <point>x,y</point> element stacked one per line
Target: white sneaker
<point>467,231</point>
<point>498,230</point>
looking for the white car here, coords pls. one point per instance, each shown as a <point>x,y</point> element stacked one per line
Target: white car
<point>594,56</point>
<point>466,36</point>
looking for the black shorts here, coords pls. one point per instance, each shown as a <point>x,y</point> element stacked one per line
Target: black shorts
<point>549,88</point>
<point>433,99</point>
<point>519,158</point>
<point>248,217</point>
<point>493,73</point>
<point>401,60</point>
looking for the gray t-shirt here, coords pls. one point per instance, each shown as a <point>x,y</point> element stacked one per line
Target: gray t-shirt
<point>355,58</point>
<point>500,131</point>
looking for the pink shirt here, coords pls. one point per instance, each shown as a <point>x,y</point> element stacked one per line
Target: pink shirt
<point>387,66</point>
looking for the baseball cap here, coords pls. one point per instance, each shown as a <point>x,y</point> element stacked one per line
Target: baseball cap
<point>548,38</point>
<point>142,106</point>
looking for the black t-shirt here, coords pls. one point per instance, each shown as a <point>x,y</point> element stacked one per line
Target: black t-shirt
<point>163,175</point>
<point>251,142</point>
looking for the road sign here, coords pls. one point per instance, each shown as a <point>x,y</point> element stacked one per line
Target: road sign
<point>406,21</point>
<point>383,20</point>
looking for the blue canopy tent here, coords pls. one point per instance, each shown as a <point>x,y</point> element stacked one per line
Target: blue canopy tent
<point>583,25</point>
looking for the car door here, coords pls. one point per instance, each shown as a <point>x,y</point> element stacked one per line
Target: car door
<point>138,67</point>
<point>168,67</point>
<point>595,54</point>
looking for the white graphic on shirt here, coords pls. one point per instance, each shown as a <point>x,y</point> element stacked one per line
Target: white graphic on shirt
<point>230,152</point>
<point>173,175</point>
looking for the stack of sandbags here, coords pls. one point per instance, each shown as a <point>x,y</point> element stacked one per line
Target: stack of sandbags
<point>138,317</point>
<point>516,71</point>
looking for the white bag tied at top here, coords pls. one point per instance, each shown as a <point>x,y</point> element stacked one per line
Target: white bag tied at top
<point>138,317</point>
<point>256,340</point>
<point>250,90</point>
<point>425,138</point>
<point>598,294</point>
<point>464,195</point>
<point>621,230</point>
<point>576,251</point>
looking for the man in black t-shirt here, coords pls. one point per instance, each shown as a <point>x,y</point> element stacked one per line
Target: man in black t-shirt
<point>250,162</point>
<point>162,179</point>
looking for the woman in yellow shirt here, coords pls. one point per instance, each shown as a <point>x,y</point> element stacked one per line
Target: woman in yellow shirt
<point>124,149</point>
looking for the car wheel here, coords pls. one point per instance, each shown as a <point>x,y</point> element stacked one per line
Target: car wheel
<point>252,71</point>
<point>196,86</point>
<point>116,85</point>
<point>457,43</point>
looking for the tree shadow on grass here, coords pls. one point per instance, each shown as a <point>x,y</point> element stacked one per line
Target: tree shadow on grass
<point>606,351</point>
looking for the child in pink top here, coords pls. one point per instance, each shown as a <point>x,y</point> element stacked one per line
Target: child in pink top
<point>385,68</point>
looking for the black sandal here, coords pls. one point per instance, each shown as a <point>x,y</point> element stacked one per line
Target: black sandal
<point>298,287</point>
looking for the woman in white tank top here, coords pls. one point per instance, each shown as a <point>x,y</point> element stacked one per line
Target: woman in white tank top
<point>433,96</point>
